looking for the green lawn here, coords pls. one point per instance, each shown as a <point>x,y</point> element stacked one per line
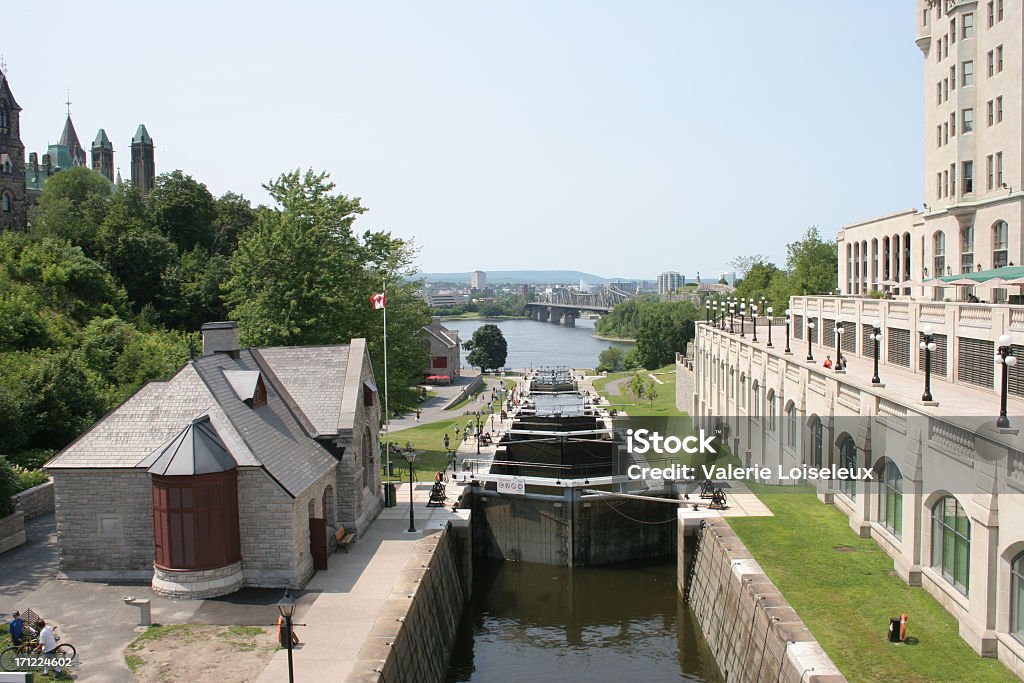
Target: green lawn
<point>845,590</point>
<point>662,406</point>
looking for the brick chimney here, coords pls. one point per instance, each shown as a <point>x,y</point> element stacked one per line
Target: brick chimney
<point>220,337</point>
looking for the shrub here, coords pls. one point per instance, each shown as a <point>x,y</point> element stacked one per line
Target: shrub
<point>29,478</point>
<point>9,485</point>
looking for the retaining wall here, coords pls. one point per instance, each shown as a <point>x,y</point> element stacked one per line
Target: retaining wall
<point>411,639</point>
<point>466,391</point>
<point>35,501</point>
<point>12,531</point>
<point>753,633</point>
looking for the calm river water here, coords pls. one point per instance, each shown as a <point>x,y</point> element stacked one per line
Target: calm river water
<point>530,622</point>
<point>533,344</point>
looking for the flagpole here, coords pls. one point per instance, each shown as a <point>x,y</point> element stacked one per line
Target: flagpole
<point>387,411</point>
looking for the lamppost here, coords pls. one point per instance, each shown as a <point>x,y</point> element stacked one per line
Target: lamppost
<point>928,345</point>
<point>788,313</point>
<point>876,337</point>
<point>478,433</point>
<point>707,313</point>
<point>769,312</point>
<point>286,607</point>
<point>410,456</point>
<point>810,328</point>
<point>1005,357</point>
<point>839,343</point>
<point>753,317</point>
<point>743,317</point>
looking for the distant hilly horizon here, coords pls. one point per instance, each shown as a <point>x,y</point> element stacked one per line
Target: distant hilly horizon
<point>522,277</point>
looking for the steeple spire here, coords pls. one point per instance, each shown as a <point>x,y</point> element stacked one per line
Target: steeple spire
<point>68,103</point>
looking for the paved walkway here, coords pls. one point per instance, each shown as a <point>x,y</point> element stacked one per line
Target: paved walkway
<point>432,410</point>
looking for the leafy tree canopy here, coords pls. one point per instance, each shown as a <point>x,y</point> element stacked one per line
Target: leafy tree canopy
<point>487,348</point>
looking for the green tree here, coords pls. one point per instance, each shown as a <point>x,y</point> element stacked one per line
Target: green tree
<point>132,250</point>
<point>641,387</point>
<point>234,217</point>
<point>487,348</point>
<point>9,485</point>
<point>813,264</point>
<point>611,360</point>
<point>183,210</point>
<point>191,290</point>
<point>664,330</point>
<point>72,207</point>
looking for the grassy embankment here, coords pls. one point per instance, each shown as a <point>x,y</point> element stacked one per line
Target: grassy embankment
<point>428,439</point>
<point>844,589</point>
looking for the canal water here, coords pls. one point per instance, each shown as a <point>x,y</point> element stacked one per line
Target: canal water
<point>532,344</point>
<point>529,622</point>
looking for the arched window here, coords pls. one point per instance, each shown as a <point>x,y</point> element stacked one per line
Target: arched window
<point>939,253</point>
<point>771,410</point>
<point>328,504</point>
<point>5,202</point>
<point>756,400</point>
<point>4,118</point>
<point>890,498</point>
<point>367,456</point>
<point>816,446</point>
<point>951,542</point>
<point>1000,233</point>
<point>848,459</point>
<point>1017,597</point>
<point>791,425</point>
<point>743,390</point>
<point>311,509</point>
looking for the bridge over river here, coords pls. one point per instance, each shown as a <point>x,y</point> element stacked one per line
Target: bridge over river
<point>563,305</point>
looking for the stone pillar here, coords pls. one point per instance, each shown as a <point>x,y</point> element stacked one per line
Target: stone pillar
<point>569,318</point>
<point>542,313</point>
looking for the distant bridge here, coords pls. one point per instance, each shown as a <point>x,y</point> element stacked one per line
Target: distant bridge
<point>563,305</point>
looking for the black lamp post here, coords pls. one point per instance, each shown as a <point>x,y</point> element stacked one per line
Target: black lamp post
<point>753,318</point>
<point>1005,357</point>
<point>478,425</point>
<point>286,607</point>
<point>810,328</point>
<point>707,313</point>
<point>732,317</point>
<point>876,338</point>
<point>788,313</point>
<point>839,343</point>
<point>409,458</point>
<point>743,317</point>
<point>928,345</point>
<point>714,313</point>
<point>769,311</point>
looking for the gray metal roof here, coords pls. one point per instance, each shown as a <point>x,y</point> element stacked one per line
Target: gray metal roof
<point>196,449</point>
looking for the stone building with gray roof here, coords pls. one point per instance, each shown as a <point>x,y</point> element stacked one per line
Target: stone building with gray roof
<point>444,350</point>
<point>235,472</point>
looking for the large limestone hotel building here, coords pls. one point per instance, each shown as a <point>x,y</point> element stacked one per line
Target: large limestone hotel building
<point>929,317</point>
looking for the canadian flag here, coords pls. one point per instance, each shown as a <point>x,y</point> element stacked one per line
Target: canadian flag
<point>379,301</point>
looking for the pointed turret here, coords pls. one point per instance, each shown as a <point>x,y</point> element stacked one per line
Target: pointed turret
<point>143,164</point>
<point>103,155</point>
<point>69,139</point>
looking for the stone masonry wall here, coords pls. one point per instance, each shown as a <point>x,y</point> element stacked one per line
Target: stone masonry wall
<point>753,633</point>
<point>35,501</point>
<point>104,523</point>
<point>266,527</point>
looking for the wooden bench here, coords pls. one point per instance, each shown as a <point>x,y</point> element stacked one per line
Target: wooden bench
<point>343,540</point>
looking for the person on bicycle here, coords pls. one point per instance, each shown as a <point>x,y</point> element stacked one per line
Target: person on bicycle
<point>48,644</point>
<point>16,628</point>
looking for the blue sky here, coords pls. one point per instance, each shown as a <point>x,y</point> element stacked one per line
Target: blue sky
<point>619,138</point>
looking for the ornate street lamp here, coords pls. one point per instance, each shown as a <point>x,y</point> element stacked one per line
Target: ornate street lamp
<point>732,318</point>
<point>707,313</point>
<point>286,607</point>
<point>753,318</point>
<point>928,345</point>
<point>743,317</point>
<point>410,456</point>
<point>769,311</point>
<point>876,337</point>
<point>839,343</point>
<point>810,328</point>
<point>1005,357</point>
<point>788,313</point>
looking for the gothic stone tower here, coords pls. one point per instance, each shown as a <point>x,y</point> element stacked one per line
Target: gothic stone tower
<point>12,162</point>
<point>103,155</point>
<point>143,166</point>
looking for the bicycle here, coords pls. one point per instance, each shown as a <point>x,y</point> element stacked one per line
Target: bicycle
<point>12,659</point>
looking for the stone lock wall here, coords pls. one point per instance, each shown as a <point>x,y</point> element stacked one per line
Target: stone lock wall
<point>35,501</point>
<point>753,633</point>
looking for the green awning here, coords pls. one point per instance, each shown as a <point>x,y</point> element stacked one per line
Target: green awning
<point>1006,273</point>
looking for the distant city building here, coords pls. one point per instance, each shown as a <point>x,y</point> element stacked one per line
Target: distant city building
<point>669,282</point>
<point>625,286</point>
<point>478,280</point>
<point>442,300</point>
<point>729,277</point>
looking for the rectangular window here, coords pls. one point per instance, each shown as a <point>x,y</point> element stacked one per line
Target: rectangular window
<point>991,14</point>
<point>924,17</point>
<point>968,177</point>
<point>945,133</point>
<point>967,27</point>
<point>967,121</point>
<point>945,45</point>
<point>938,49</point>
<point>967,73</point>
<point>999,59</point>
<point>989,111</point>
<point>952,30</point>
<point>999,10</point>
<point>938,185</point>
<point>938,136</point>
<point>999,109</point>
<point>952,125</point>
<point>945,89</point>
<point>990,62</point>
<point>952,78</point>
<point>990,171</point>
<point>952,179</point>
<point>945,183</point>
<point>999,169</point>
<point>938,93</point>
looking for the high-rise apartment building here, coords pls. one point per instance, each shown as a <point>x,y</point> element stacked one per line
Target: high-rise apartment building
<point>478,280</point>
<point>669,282</point>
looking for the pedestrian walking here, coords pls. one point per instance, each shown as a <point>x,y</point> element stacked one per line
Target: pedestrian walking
<point>446,442</point>
<point>417,414</point>
<point>16,628</point>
